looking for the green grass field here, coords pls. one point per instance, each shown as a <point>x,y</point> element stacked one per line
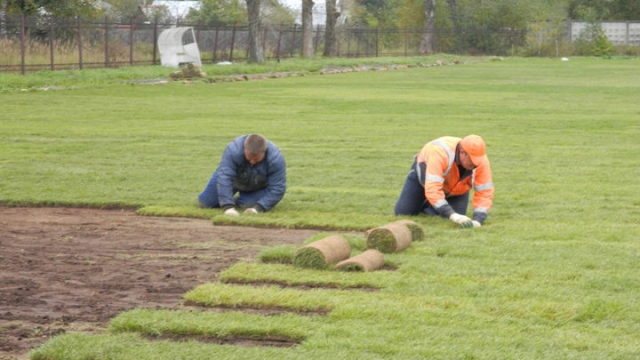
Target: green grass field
<point>553,274</point>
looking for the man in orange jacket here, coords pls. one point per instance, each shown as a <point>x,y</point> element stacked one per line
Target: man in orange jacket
<point>441,177</point>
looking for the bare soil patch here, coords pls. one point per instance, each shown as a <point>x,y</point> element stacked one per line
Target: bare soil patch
<point>71,269</point>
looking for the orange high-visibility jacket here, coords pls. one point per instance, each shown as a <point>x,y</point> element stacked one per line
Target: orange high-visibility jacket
<point>438,172</point>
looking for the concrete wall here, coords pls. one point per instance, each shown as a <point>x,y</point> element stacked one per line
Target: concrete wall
<point>619,33</point>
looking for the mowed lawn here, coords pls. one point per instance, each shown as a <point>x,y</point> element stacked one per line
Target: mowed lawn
<point>553,274</point>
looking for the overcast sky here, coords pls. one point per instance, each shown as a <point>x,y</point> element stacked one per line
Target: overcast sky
<point>295,4</point>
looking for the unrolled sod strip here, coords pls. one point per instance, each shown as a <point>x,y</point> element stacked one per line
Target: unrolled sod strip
<point>390,238</point>
<point>369,260</point>
<point>319,254</point>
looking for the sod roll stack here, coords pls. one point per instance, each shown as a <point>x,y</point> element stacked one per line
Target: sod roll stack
<point>369,260</point>
<point>320,254</point>
<point>393,237</point>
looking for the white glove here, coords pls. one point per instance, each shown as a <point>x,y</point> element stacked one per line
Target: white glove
<point>476,223</point>
<point>231,212</point>
<point>251,211</point>
<point>461,220</point>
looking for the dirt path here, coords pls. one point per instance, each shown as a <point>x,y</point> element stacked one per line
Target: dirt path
<point>68,269</point>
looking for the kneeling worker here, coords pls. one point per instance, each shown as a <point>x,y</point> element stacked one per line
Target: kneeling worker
<point>441,177</point>
<point>253,167</point>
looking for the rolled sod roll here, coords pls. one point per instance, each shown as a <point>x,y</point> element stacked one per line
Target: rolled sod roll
<point>393,237</point>
<point>417,233</point>
<point>319,254</point>
<point>369,260</point>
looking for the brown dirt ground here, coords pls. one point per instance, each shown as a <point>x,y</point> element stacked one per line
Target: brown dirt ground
<point>69,269</point>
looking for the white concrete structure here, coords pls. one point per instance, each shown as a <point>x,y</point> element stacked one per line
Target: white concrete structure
<point>618,32</point>
<point>178,46</point>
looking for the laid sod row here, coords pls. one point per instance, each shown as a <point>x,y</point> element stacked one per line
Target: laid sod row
<point>287,275</point>
<point>279,218</point>
<point>359,318</point>
<point>215,325</point>
<point>551,274</point>
<point>262,297</point>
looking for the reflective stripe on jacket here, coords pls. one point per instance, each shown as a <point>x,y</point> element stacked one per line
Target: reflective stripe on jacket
<point>440,176</point>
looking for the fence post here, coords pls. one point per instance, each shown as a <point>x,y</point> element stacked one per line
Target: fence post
<point>626,34</point>
<point>377,40</point>
<point>293,40</point>
<point>51,52</point>
<point>155,39</point>
<point>106,41</point>
<point>198,33</point>
<point>406,42</point>
<point>264,42</point>
<point>338,42</point>
<point>315,46</point>
<point>131,41</point>
<point>22,49</point>
<point>80,42</point>
<point>233,41</point>
<point>214,57</point>
<point>278,48</point>
<point>368,43</point>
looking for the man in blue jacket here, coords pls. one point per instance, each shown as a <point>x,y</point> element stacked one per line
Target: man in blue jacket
<point>253,167</point>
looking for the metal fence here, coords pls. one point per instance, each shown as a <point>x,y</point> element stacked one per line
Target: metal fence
<point>30,44</point>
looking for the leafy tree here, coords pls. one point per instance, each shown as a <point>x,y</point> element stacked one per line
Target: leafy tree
<point>123,10</point>
<point>601,45</point>
<point>545,29</point>
<point>604,10</point>
<point>229,12</point>
<point>625,10</point>
<point>410,14</point>
<point>589,9</point>
<point>374,13</point>
<point>275,13</point>
<point>220,12</point>
<point>593,41</point>
<point>59,8</point>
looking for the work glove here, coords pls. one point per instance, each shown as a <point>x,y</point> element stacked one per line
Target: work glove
<point>476,223</point>
<point>461,220</point>
<point>231,212</point>
<point>251,211</point>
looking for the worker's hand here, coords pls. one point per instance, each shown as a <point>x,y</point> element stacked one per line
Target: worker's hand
<point>461,220</point>
<point>231,212</point>
<point>251,211</point>
<point>476,223</point>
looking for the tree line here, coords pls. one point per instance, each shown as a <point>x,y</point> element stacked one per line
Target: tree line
<point>428,15</point>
